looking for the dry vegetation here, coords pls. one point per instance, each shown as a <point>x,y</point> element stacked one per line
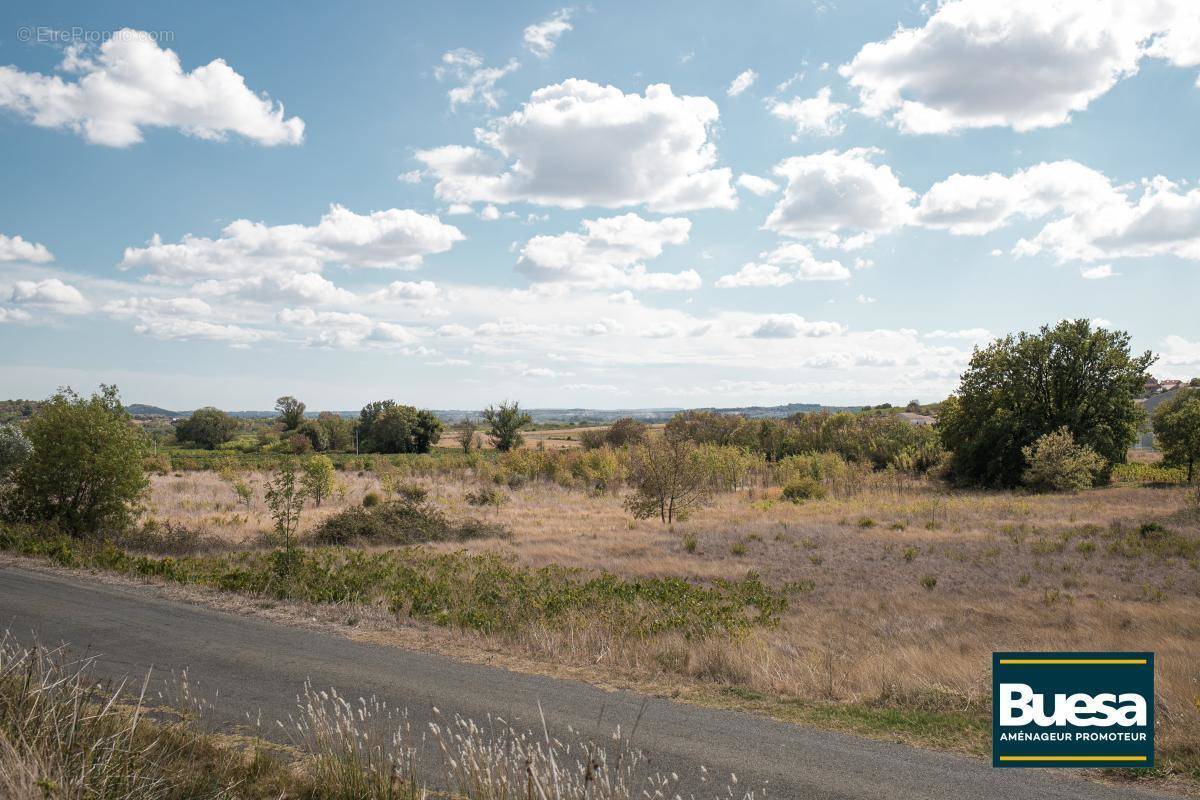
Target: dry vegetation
<point>904,587</point>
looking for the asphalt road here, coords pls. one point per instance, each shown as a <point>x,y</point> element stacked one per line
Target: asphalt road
<point>255,666</point>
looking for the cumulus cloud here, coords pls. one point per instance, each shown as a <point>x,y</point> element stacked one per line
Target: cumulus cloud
<point>130,83</point>
<point>610,253</point>
<point>757,185</point>
<point>49,294</point>
<point>1180,352</point>
<point>968,334</point>
<point>1096,273</point>
<point>177,328</point>
<point>475,82</point>
<point>783,265</point>
<point>14,248</point>
<point>247,250</point>
<point>1093,220</point>
<point>169,306</point>
<point>346,330</point>
<point>541,38</point>
<point>13,315</point>
<point>578,143</point>
<point>830,193</point>
<point>791,326</point>
<point>814,116</point>
<point>1023,64</point>
<point>742,82</point>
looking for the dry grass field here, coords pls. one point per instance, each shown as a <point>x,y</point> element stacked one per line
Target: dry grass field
<point>905,587</point>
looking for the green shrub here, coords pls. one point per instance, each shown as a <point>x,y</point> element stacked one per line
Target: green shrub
<point>397,522</point>
<point>1056,463</point>
<point>486,496</point>
<point>929,582</point>
<point>801,489</point>
<point>412,492</point>
<point>371,499</point>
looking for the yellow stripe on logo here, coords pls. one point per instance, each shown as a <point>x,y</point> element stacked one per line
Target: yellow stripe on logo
<point>1072,661</point>
<point>1072,758</point>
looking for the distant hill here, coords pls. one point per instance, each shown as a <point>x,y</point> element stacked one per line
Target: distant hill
<point>143,410</point>
<point>543,416</point>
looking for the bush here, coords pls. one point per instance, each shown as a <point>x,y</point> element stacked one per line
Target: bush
<point>371,499</point>
<point>804,488</point>
<point>85,471</point>
<point>398,522</point>
<point>486,496</point>
<point>1056,463</point>
<point>15,449</point>
<point>412,492</point>
<point>207,427</point>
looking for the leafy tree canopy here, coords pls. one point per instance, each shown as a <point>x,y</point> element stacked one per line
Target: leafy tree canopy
<point>1177,430</point>
<point>207,427</point>
<point>1022,387</point>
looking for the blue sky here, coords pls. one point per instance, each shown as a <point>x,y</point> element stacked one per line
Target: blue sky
<point>601,205</point>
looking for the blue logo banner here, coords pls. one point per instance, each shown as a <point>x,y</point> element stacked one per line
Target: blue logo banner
<point>1073,709</point>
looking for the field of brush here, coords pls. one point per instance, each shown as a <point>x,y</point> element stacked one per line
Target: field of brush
<point>875,608</point>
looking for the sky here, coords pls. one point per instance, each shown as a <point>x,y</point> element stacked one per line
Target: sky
<point>603,205</point>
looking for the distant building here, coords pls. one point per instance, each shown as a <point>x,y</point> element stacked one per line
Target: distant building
<point>1168,385</point>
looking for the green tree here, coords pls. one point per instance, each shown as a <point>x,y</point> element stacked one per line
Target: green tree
<point>625,432</point>
<point>317,480</point>
<point>207,427</point>
<point>668,478</point>
<point>427,432</point>
<point>15,450</point>
<point>1022,387</point>
<point>85,471</point>
<point>388,427</point>
<point>338,430</point>
<point>1177,430</point>
<point>465,432</point>
<point>1058,464</point>
<point>291,412</point>
<point>285,498</point>
<point>504,425</point>
<point>316,434</point>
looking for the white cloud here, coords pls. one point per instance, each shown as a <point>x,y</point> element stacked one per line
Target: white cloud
<point>14,248</point>
<point>594,387</point>
<point>1024,64</point>
<point>49,294</point>
<point>177,328</point>
<point>791,326</point>
<point>1098,272</point>
<point>133,84</point>
<point>1093,220</point>
<point>1180,352</point>
<point>413,176</point>
<point>742,82</point>
<point>865,300</point>
<point>346,330</point>
<point>13,315</point>
<point>815,116</point>
<point>785,264</point>
<point>246,250</point>
<point>968,334</point>
<point>757,185</point>
<point>406,292</point>
<point>542,37</point>
<point>171,306</point>
<point>610,253</point>
<point>831,192</point>
<point>577,143</point>
<point>476,83</point>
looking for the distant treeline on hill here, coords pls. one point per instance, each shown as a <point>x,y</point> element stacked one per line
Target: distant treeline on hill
<point>542,416</point>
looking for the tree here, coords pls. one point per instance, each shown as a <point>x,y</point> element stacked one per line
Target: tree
<point>317,480</point>
<point>1020,388</point>
<point>387,427</point>
<point>85,472</point>
<point>207,427</point>
<point>706,427</point>
<point>15,450</point>
<point>504,425</point>
<point>465,432</point>
<point>291,412</point>
<point>339,431</point>
<point>667,477</point>
<point>1058,464</point>
<point>285,499</point>
<point>625,432</point>
<point>316,434</point>
<point>1177,430</point>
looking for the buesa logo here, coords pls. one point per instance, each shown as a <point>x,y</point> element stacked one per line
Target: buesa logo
<point>1073,709</point>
